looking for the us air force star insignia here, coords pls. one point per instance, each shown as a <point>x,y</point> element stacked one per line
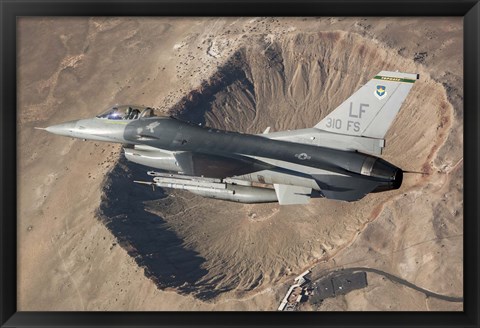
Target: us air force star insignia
<point>380,92</point>
<point>302,156</point>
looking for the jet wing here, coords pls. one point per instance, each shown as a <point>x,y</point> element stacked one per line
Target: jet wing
<point>345,188</point>
<point>218,166</point>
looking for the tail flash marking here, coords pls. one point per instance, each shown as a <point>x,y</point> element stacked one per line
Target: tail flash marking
<point>370,111</point>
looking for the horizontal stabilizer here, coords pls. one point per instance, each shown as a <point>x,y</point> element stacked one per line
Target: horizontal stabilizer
<point>292,195</point>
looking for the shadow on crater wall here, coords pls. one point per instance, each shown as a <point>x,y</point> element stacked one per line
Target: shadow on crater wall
<point>146,236</point>
<point>219,91</point>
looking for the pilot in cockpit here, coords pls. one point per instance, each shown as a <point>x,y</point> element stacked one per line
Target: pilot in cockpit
<point>128,113</point>
<point>134,114</point>
<point>124,112</point>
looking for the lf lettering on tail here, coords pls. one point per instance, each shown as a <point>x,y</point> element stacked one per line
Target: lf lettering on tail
<point>355,125</point>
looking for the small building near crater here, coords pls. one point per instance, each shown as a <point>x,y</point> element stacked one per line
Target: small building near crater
<point>337,284</point>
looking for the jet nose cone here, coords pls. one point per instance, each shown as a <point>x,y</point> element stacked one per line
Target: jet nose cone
<point>63,129</point>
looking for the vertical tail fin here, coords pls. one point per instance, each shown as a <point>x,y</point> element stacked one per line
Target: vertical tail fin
<point>370,111</point>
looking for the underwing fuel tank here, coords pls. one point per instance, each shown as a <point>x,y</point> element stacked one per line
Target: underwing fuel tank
<point>214,188</point>
<point>240,194</point>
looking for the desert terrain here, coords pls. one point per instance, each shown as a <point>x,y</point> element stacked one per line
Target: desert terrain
<point>91,239</point>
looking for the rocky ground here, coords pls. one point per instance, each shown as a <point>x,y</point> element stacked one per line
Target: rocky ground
<point>90,239</point>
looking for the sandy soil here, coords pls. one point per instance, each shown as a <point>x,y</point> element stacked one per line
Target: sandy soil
<point>89,239</point>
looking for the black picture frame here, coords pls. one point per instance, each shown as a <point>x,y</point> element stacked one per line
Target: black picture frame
<point>11,10</point>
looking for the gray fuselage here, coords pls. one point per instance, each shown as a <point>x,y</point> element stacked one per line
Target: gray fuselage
<point>174,145</point>
<point>279,156</point>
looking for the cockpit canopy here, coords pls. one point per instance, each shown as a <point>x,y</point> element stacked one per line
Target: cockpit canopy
<point>127,112</point>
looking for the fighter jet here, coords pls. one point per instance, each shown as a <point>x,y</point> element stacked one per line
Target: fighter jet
<point>335,159</point>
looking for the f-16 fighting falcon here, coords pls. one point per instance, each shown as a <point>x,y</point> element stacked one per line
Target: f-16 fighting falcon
<point>335,159</point>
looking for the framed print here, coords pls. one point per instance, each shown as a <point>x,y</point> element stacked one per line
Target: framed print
<point>236,163</point>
